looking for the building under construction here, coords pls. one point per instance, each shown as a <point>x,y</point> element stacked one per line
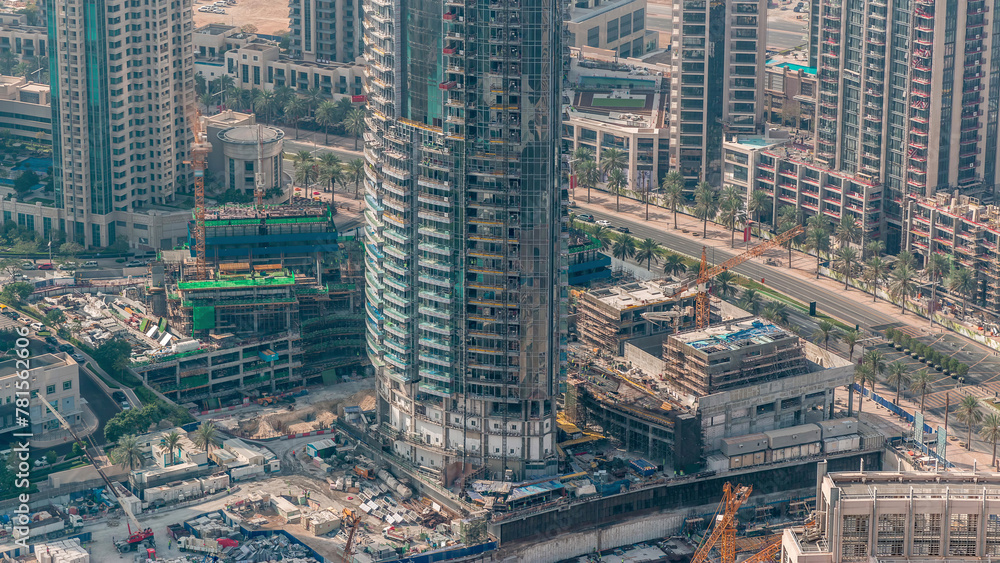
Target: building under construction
<point>608,317</point>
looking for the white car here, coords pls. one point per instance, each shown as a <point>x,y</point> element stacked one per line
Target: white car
<point>603,223</point>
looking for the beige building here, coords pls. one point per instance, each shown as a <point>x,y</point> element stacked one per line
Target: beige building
<point>210,45</point>
<point>888,517</point>
<point>25,109</point>
<point>260,65</point>
<point>790,95</point>
<point>21,39</point>
<point>325,30</point>
<point>619,26</point>
<point>51,377</point>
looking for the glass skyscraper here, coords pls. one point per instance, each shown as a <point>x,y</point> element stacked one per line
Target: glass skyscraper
<point>466,223</point>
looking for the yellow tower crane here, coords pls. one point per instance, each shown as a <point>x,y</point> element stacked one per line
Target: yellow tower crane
<point>199,155</point>
<point>725,530</point>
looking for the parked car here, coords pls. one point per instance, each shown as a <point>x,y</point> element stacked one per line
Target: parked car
<point>90,264</point>
<point>118,396</point>
<point>52,340</point>
<point>586,217</point>
<point>28,266</point>
<point>78,357</point>
<point>623,229</point>
<point>37,326</point>
<point>603,223</point>
<point>134,264</point>
<point>68,266</point>
<point>45,266</point>
<point>125,405</point>
<point>65,347</point>
<point>11,314</point>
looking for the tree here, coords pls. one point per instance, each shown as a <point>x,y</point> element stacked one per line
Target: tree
<point>70,249</point>
<point>624,248</point>
<point>673,192</point>
<point>936,267</point>
<point>990,431</point>
<point>905,258</point>
<point>23,183</point>
<point>729,216</point>
<point>750,301</point>
<point>354,123</point>
<point>265,104</point>
<point>788,219</point>
<point>21,69</point>
<point>51,457</point>
<point>612,159</point>
<point>648,251</point>
<point>775,312</point>
<point>673,265</point>
<point>331,169</point>
<point>325,115</point>
<point>755,206</point>
<point>588,175</point>
<point>876,360</point>
<point>304,163</point>
<point>706,205</point>
<point>603,236</point>
<point>790,113</point>
<point>580,155</point>
<point>79,449</point>
<point>818,241</point>
<point>616,185</point>
<point>847,231</point>
<point>355,172</point>
<point>963,282</point>
<point>295,110</point>
<point>897,376</point>
<point>113,355</point>
<point>862,376</point>
<point>171,442</point>
<point>875,273</point>
<point>9,267</point>
<point>7,62</point>
<point>846,257</point>
<point>851,338</point>
<point>314,98</point>
<point>969,414</point>
<point>826,331</point>
<point>920,382</point>
<point>725,284</point>
<point>16,292</point>
<point>206,100</point>
<point>127,454</point>
<point>54,317</point>
<point>902,286</point>
<point>204,437</point>
<point>873,248</point>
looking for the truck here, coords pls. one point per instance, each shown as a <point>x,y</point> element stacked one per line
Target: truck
<point>391,533</point>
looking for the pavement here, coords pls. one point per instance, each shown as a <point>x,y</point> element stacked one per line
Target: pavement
<point>852,306</point>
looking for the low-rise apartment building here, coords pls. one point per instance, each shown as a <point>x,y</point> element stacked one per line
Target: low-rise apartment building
<point>259,64</point>
<point>51,377</point>
<point>619,26</point>
<point>25,109</point>
<point>790,95</point>
<point>21,39</point>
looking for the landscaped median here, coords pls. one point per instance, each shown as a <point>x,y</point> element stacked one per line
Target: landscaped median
<point>925,353</point>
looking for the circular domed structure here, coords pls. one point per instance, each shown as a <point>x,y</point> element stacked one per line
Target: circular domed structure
<point>242,147</point>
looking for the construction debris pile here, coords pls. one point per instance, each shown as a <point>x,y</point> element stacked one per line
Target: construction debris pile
<point>210,535</point>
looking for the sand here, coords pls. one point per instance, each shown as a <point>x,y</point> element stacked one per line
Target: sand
<point>270,16</point>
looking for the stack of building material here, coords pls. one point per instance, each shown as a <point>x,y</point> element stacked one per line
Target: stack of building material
<point>65,551</point>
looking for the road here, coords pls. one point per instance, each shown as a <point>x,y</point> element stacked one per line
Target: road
<point>845,307</point>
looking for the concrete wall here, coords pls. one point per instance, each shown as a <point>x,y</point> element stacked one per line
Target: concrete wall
<point>818,355</point>
<point>627,533</point>
<point>650,364</point>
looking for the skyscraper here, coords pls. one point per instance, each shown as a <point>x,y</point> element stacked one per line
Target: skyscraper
<point>465,229</point>
<point>122,77</point>
<point>718,53</point>
<point>325,30</point>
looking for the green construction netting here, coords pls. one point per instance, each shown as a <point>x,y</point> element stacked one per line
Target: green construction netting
<point>204,317</point>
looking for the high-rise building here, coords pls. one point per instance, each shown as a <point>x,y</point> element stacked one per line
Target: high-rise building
<point>718,56</point>
<point>466,223</point>
<point>122,80</point>
<point>325,30</point>
<point>906,105</point>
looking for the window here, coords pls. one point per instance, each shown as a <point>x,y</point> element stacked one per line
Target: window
<point>50,389</point>
<point>594,37</point>
<point>638,20</point>
<point>67,385</point>
<point>625,25</point>
<point>613,30</point>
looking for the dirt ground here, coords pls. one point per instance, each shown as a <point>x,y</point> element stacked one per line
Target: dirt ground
<point>270,16</point>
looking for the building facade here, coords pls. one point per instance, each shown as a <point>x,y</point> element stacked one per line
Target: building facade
<point>618,26</point>
<point>252,156</point>
<point>24,110</point>
<point>121,118</point>
<point>466,223</point>
<point>54,378</point>
<point>716,83</point>
<point>325,30</point>
<point>259,64</point>
<point>790,92</point>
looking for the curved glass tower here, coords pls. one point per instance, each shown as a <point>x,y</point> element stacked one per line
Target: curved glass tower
<point>465,227</point>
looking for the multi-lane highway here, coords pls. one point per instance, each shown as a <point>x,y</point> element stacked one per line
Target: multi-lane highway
<point>849,306</point>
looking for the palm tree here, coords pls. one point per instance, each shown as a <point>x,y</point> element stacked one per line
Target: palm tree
<point>232,97</point>
<point>775,312</point>
<point>851,338</point>
<point>876,360</point>
<point>314,98</point>
<point>354,123</point>
<point>846,256</point>
<point>206,100</point>
<point>788,219</point>
<point>265,104</point>
<point>624,248</point>
<point>204,437</point>
<point>963,282</point>
<point>936,266</point>
<point>706,205</point>
<point>283,94</point>
<point>897,376</point>
<point>847,231</point>
<point>580,155</point>
<point>729,216</point>
<point>331,167</point>
<point>725,284</point>
<point>648,250</point>
<point>343,105</point>
<point>818,241</point>
<point>862,376</point>
<point>295,110</point>
<point>603,236</point>
<point>755,206</point>
<point>905,258</point>
<point>990,431</point>
<point>673,192</point>
<point>875,273</point>
<point>616,185</point>
<point>968,412</point>
<point>673,265</point>
<point>355,172</point>
<point>826,331</point>
<point>222,83</point>
<point>902,286</point>
<point>127,454</point>
<point>325,116</point>
<point>588,175</point>
<point>920,382</point>
<point>612,159</point>
<point>750,301</point>
<point>303,161</point>
<point>874,248</point>
<point>170,442</point>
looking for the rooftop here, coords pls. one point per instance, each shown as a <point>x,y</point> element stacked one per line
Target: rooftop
<point>214,29</point>
<point>792,66</point>
<point>732,336</point>
<point>635,294</point>
<point>232,214</point>
<point>251,134</point>
<point>888,485</point>
<point>10,367</point>
<point>583,14</point>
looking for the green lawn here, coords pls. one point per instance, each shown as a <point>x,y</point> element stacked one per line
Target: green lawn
<point>619,103</point>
